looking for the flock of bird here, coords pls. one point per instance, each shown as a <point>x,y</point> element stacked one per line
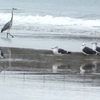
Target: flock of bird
<point>57,51</point>
<point>85,50</point>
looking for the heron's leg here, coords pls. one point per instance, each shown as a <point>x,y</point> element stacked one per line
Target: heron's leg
<point>11,35</point>
<point>8,32</point>
<point>7,35</point>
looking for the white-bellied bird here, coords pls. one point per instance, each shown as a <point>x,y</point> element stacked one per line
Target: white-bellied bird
<point>59,52</point>
<point>95,47</point>
<point>87,51</point>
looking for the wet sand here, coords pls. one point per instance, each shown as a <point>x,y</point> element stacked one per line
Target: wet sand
<point>17,57</point>
<point>37,74</point>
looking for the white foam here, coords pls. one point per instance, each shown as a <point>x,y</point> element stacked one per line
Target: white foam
<point>20,19</point>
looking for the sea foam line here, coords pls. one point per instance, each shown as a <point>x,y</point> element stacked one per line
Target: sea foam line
<point>48,20</point>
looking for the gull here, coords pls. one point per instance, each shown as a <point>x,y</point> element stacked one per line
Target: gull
<point>95,47</point>
<point>88,51</point>
<point>59,52</point>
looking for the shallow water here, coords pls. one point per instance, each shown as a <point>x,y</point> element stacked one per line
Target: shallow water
<point>49,78</point>
<point>41,40</point>
<point>63,17</point>
<point>51,87</point>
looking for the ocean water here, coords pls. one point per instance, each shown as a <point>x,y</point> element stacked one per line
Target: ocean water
<point>52,20</point>
<point>28,79</point>
<point>52,16</point>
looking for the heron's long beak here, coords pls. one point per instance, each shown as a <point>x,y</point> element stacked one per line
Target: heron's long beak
<point>15,8</point>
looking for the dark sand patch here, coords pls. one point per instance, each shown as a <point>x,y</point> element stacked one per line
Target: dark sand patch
<point>32,60</point>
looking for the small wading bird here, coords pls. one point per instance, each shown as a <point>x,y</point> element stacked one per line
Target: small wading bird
<point>1,54</point>
<point>87,50</point>
<point>95,47</point>
<point>59,52</point>
<point>8,25</point>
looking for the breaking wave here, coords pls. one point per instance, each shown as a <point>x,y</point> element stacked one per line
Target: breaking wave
<point>47,22</point>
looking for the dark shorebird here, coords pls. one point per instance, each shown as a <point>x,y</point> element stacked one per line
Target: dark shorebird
<point>59,52</point>
<point>1,54</point>
<point>95,47</point>
<point>87,50</point>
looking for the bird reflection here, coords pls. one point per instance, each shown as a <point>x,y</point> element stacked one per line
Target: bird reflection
<point>1,68</point>
<point>88,67</point>
<point>59,67</point>
<point>6,39</point>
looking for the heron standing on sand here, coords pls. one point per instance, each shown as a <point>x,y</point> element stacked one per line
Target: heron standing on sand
<point>8,25</point>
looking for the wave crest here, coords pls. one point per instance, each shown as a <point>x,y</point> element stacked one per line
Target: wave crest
<point>47,22</point>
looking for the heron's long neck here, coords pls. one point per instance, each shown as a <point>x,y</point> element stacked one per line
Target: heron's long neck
<point>12,16</point>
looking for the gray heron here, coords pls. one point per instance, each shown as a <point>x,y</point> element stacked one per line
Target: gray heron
<point>8,25</point>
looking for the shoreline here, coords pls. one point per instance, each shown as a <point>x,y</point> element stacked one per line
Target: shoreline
<point>23,59</point>
<point>41,41</point>
<point>40,52</point>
